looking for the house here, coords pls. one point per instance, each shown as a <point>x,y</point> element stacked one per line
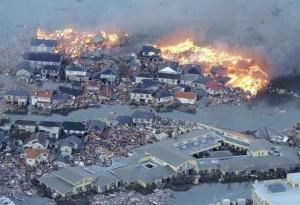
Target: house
<point>51,127</point>
<point>143,76</point>
<point>50,71</point>
<point>25,125</point>
<point>16,97</point>
<point>95,126</point>
<point>37,60</point>
<point>150,53</point>
<point>214,88</point>
<point>41,98</point>
<point>110,75</point>
<point>141,96</point>
<point>192,70</point>
<point>106,92</point>
<point>42,46</point>
<point>147,84</point>
<point>140,117</point>
<point>77,128</point>
<point>171,69</point>
<point>186,97</point>
<point>92,86</point>
<point>74,92</point>
<point>168,78</point>
<point>201,82</point>
<point>75,73</point>
<point>124,120</point>
<point>24,72</point>
<point>188,80</point>
<point>34,156</point>
<point>5,124</point>
<point>38,140</point>
<point>70,144</point>
<point>124,71</point>
<point>163,96</point>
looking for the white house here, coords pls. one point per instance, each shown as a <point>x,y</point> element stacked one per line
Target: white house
<point>25,125</point>
<point>34,156</point>
<point>53,128</point>
<point>141,96</point>
<point>42,46</point>
<point>186,97</point>
<point>42,98</point>
<point>75,73</point>
<point>39,140</point>
<point>164,96</point>
<point>37,60</point>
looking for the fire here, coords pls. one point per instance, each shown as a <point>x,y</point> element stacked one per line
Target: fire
<point>74,43</point>
<point>242,71</point>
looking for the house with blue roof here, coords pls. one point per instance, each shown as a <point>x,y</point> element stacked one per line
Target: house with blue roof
<point>42,45</point>
<point>17,97</point>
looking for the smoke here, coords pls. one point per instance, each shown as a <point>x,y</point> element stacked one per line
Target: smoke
<point>269,27</point>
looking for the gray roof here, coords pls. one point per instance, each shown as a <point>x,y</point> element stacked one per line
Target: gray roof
<point>45,57</point>
<point>260,144</point>
<point>74,68</point>
<point>19,93</point>
<point>72,175</point>
<point>142,91</point>
<point>165,153</point>
<point>48,43</point>
<point>50,124</point>
<point>96,125</point>
<point>24,65</point>
<point>41,137</point>
<point>143,115</point>
<point>56,183</point>
<point>71,141</point>
<point>163,94</point>
<point>78,126</point>
<point>25,122</point>
<point>139,172</point>
<point>104,178</point>
<point>247,163</point>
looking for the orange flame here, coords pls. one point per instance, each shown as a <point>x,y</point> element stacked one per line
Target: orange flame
<point>73,43</point>
<point>243,73</point>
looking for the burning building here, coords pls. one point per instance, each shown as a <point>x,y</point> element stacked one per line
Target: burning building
<point>74,43</point>
<point>242,71</point>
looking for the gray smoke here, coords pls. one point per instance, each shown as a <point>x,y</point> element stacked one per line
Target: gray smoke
<point>268,27</point>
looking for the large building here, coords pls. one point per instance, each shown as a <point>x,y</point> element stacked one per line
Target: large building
<point>277,192</point>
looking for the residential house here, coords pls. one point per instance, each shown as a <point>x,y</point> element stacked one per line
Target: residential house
<point>170,69</point>
<point>75,73</point>
<point>24,72</point>
<point>186,97</point>
<point>38,140</point>
<point>164,96</point>
<point>150,53</point>
<point>70,144</point>
<point>168,78</point>
<point>124,120</point>
<point>34,156</point>
<point>16,97</point>
<point>42,46</point>
<point>201,82</point>
<point>141,96</point>
<point>124,71</point>
<point>5,124</point>
<point>140,117</point>
<point>37,60</point>
<point>77,128</point>
<point>109,75</point>
<point>25,125</point>
<point>214,88</point>
<point>192,70</point>
<point>147,84</point>
<point>42,98</point>
<point>95,126</point>
<point>50,71</point>
<point>143,76</point>
<point>51,127</point>
<point>189,80</point>
<point>93,86</point>
<point>74,92</point>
